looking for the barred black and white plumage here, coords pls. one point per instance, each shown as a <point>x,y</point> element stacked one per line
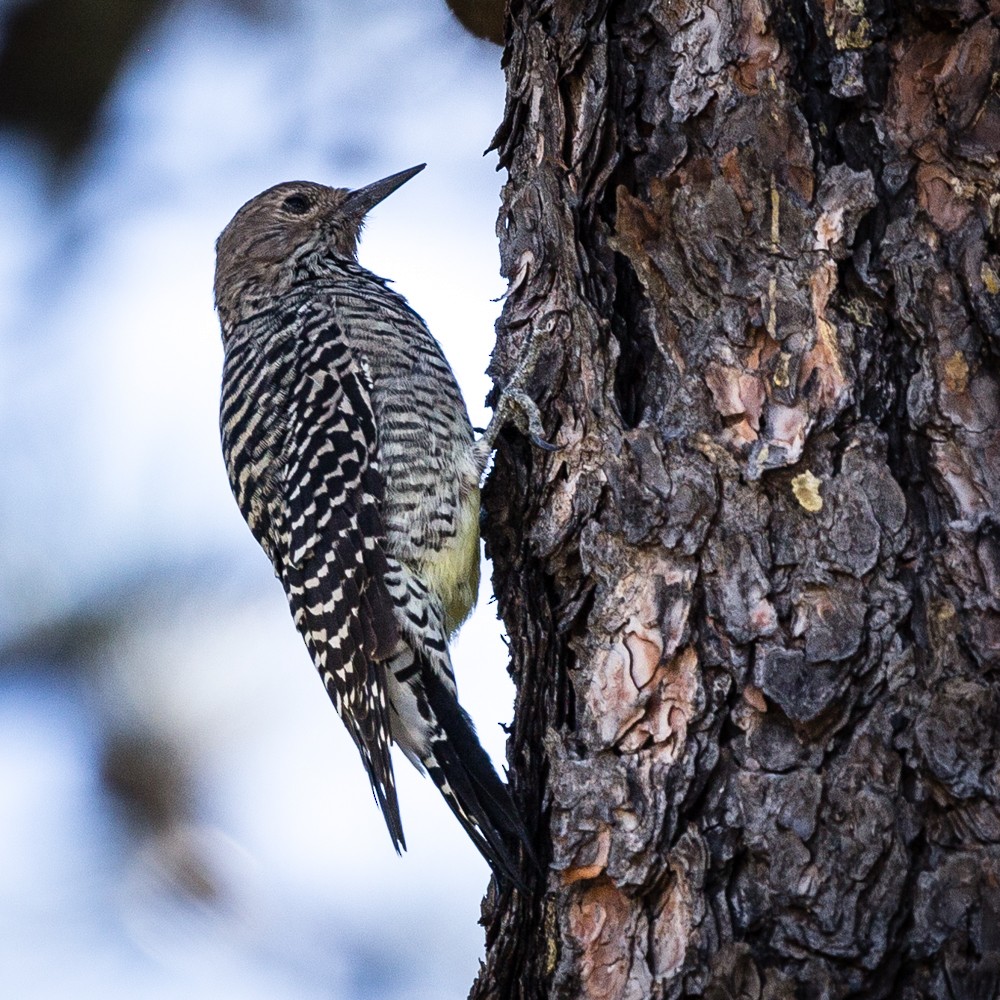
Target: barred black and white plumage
<point>351,456</point>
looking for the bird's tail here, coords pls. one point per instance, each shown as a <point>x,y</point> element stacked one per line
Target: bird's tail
<point>459,766</point>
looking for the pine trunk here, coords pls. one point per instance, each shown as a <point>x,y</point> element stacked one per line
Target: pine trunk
<point>754,600</point>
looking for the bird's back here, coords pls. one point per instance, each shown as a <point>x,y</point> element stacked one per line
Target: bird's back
<point>425,439</point>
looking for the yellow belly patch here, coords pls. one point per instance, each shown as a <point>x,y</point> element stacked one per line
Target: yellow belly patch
<point>453,573</point>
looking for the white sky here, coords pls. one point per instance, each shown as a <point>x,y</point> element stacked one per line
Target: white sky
<point>109,373</point>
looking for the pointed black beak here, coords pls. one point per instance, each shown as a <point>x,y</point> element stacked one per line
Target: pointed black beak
<point>361,202</point>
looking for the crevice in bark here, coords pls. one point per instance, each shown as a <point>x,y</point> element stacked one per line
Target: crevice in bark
<point>801,32</point>
<point>637,359</point>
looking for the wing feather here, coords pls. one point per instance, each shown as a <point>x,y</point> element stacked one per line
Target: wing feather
<point>335,565</point>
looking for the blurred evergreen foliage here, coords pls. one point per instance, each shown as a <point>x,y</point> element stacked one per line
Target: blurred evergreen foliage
<point>59,60</point>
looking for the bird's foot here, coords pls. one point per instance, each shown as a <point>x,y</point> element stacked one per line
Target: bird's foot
<point>514,407</point>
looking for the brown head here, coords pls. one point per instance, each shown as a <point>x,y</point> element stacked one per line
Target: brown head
<point>287,226</point>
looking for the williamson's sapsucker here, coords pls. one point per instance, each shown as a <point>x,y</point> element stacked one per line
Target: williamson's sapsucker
<point>351,456</point>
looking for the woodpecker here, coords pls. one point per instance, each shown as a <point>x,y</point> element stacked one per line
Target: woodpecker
<point>352,458</point>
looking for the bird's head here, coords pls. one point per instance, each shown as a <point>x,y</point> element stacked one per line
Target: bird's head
<point>289,226</point>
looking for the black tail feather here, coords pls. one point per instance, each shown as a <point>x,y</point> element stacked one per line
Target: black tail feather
<point>478,798</point>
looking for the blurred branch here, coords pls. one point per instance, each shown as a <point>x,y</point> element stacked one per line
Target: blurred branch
<point>484,18</point>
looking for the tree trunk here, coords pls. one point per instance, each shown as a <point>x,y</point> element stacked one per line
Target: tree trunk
<point>753,600</point>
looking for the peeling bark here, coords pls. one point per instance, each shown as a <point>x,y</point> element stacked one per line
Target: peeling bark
<point>754,600</point>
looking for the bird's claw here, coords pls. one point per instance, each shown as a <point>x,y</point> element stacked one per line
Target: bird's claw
<point>544,445</point>
<point>517,407</point>
<point>527,417</point>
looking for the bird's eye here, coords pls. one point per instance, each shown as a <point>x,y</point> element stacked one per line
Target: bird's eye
<point>297,204</point>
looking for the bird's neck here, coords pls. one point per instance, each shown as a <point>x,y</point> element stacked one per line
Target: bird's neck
<point>260,292</point>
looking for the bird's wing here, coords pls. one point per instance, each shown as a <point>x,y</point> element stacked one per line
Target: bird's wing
<point>335,564</point>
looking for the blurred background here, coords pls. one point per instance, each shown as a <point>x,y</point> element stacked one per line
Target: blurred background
<point>181,811</point>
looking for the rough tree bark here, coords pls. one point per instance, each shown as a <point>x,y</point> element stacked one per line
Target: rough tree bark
<point>753,601</point>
